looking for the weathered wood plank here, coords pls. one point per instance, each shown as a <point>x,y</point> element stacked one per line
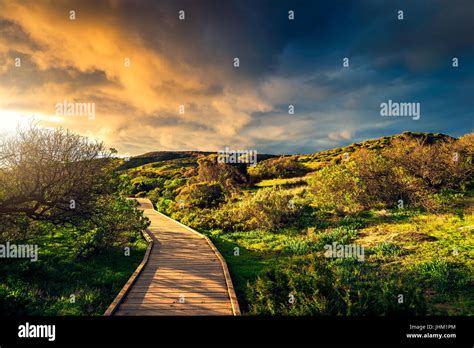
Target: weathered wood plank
<point>173,306</point>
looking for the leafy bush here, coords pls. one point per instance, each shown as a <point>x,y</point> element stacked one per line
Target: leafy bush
<point>338,187</point>
<point>116,223</point>
<point>229,176</point>
<point>202,195</point>
<point>441,165</point>
<point>267,209</point>
<point>154,195</point>
<point>409,170</point>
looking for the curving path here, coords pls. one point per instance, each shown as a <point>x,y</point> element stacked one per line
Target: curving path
<point>184,274</point>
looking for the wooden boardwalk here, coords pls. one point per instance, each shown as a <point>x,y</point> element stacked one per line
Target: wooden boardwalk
<point>183,275</point>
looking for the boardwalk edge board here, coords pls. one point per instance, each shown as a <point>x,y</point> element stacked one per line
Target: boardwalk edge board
<point>121,295</point>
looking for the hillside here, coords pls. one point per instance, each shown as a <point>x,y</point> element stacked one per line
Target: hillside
<point>162,156</point>
<point>409,219</point>
<point>320,159</point>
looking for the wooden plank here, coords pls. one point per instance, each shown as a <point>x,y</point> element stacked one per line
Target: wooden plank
<point>184,269</point>
<point>175,312</point>
<point>174,296</point>
<point>171,268</point>
<point>164,301</point>
<point>182,285</point>
<point>177,288</point>
<point>181,306</point>
<point>181,275</point>
<point>152,289</point>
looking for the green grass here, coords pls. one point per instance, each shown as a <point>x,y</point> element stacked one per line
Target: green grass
<point>409,243</point>
<point>281,182</point>
<point>245,267</point>
<point>61,284</point>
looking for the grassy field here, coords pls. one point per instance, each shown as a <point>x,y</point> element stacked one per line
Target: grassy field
<point>417,259</point>
<point>437,249</point>
<point>60,282</point>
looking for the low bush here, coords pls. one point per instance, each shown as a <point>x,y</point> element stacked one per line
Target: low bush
<point>201,195</point>
<point>409,173</point>
<point>267,209</point>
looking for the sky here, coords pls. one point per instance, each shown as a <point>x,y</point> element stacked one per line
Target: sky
<point>157,82</point>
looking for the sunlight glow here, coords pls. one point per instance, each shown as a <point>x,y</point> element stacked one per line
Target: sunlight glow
<point>10,120</point>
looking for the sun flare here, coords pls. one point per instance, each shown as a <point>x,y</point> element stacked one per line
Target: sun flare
<point>10,120</point>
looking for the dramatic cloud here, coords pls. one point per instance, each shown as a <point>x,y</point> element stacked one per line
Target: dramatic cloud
<point>181,90</point>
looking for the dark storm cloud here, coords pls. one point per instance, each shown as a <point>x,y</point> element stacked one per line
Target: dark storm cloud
<point>432,32</point>
<point>215,32</point>
<point>31,76</point>
<point>12,32</point>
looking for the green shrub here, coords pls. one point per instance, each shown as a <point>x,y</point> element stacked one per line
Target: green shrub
<point>154,195</point>
<point>202,195</point>
<point>266,210</point>
<point>352,222</point>
<point>299,246</point>
<point>230,176</point>
<point>338,187</point>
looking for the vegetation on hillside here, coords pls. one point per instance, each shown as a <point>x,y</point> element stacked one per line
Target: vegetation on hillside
<point>405,203</point>
<point>407,200</point>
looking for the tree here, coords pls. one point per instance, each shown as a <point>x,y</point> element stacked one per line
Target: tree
<point>51,174</point>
